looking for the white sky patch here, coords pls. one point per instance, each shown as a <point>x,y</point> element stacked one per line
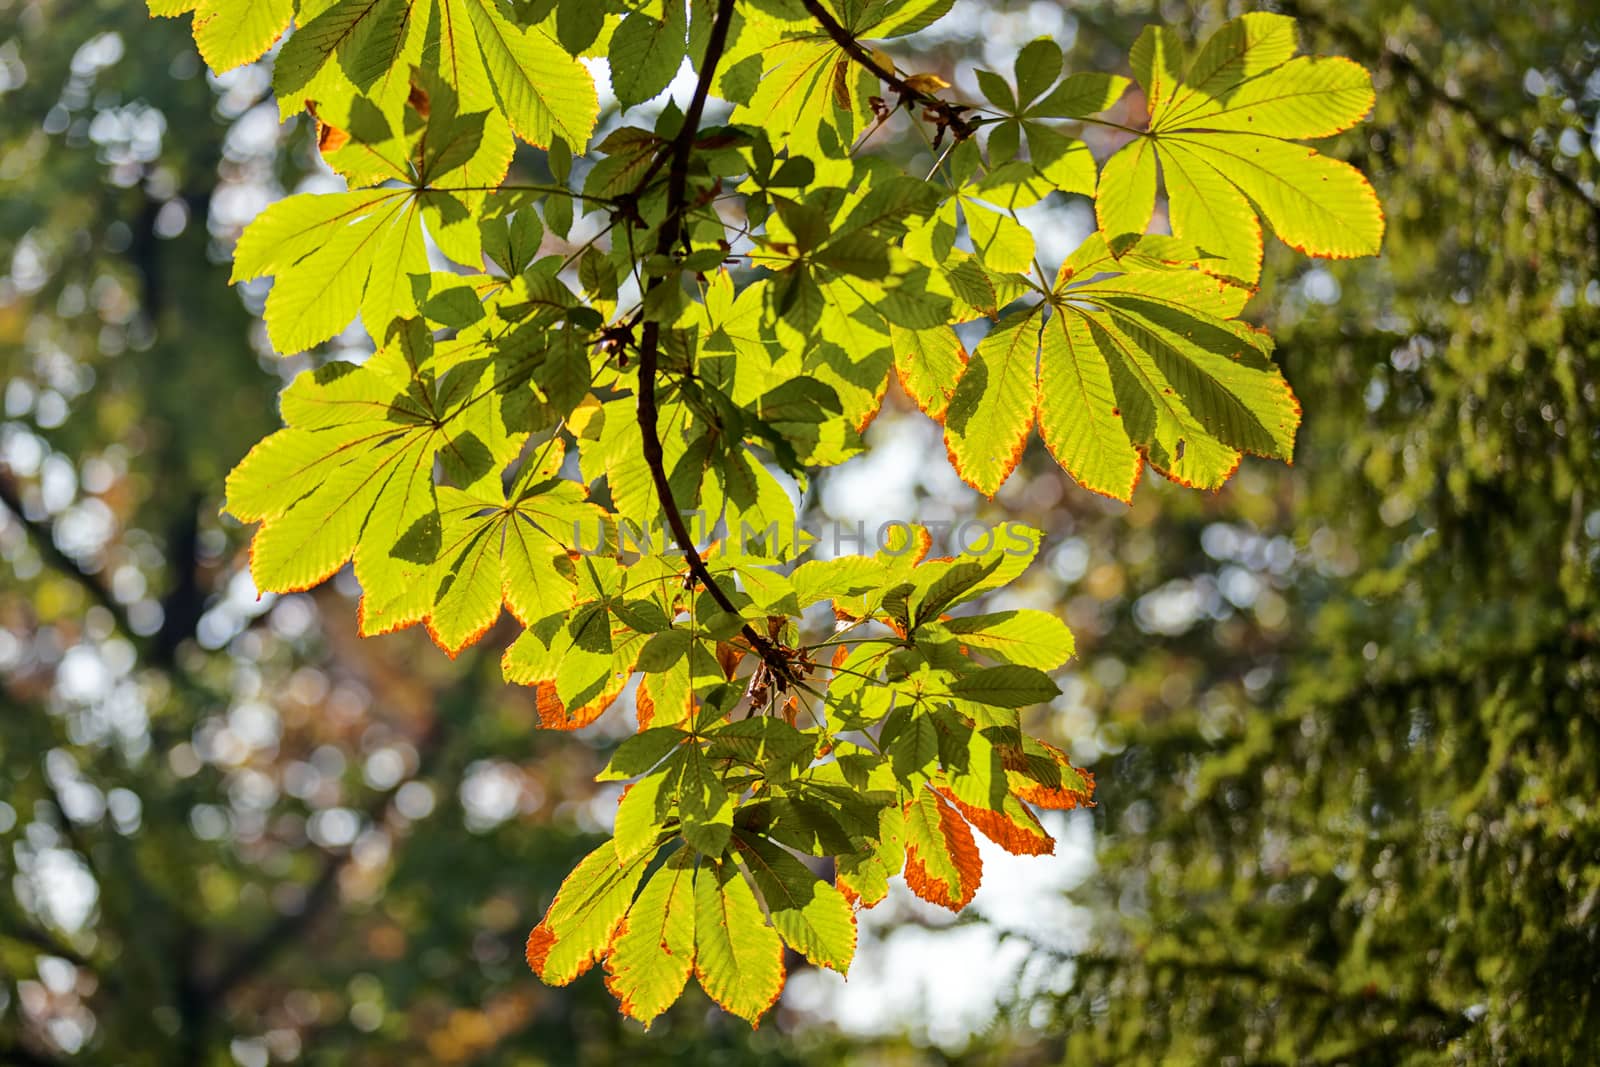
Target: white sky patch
<point>918,972</point>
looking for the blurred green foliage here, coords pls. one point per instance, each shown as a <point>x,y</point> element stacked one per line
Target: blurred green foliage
<point>1364,831</point>
<point>1345,718</point>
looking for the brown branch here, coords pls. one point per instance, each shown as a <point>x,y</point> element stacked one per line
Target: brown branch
<point>650,341</point>
<point>44,540</point>
<point>949,114</point>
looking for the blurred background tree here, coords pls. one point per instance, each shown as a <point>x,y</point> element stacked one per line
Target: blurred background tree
<point>1345,717</point>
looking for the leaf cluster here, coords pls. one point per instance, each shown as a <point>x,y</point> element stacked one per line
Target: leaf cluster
<point>548,400</point>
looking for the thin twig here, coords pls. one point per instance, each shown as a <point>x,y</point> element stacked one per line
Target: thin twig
<point>650,342</point>
<point>949,114</point>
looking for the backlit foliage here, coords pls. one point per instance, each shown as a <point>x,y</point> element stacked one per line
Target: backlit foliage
<point>535,431</point>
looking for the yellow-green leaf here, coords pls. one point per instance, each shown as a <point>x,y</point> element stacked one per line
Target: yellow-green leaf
<point>231,33</point>
<point>738,957</point>
<point>583,919</point>
<point>987,422</point>
<point>810,915</point>
<point>654,950</point>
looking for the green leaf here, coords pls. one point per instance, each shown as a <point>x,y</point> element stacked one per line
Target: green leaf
<point>231,33</point>
<point>664,649</point>
<point>705,806</point>
<point>913,749</point>
<point>544,92</point>
<point>654,949</point>
<point>987,421</point>
<point>928,363</point>
<point>1011,686</point>
<point>941,584</point>
<point>1139,359</point>
<point>771,744</point>
<point>1079,96</point>
<point>841,576</point>
<point>508,550</point>
<point>738,957</point>
<point>1157,61</point>
<point>583,919</point>
<point>578,23</point>
<point>1192,387</point>
<point>863,875</point>
<point>641,752</point>
<point>999,240</point>
<point>322,250</point>
<point>810,915</point>
<point>575,684</point>
<point>1037,67</point>
<point>1079,418</point>
<point>353,468</point>
<point>1024,636</point>
<point>646,53</point>
<point>1125,197</point>
<point>996,90</point>
<point>643,811</point>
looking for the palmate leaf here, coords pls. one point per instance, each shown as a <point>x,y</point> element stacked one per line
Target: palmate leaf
<point>1222,131</point>
<point>336,255</point>
<point>1056,162</point>
<point>436,464</point>
<point>328,253</point>
<point>1146,364</point>
<point>353,471</point>
<point>509,549</point>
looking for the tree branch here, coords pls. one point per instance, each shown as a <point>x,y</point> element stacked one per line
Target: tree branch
<point>43,538</point>
<point>650,341</point>
<point>949,114</point>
